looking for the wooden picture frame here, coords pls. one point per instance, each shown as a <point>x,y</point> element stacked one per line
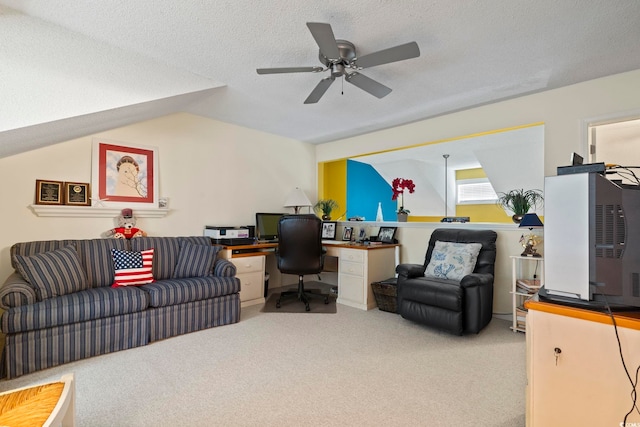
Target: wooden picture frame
<point>386,234</point>
<point>346,233</point>
<point>329,230</point>
<point>77,194</point>
<point>123,174</point>
<point>49,192</point>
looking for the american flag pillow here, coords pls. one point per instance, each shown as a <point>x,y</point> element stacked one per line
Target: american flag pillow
<point>132,268</point>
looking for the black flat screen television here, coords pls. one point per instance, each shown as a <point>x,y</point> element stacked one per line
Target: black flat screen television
<point>267,226</point>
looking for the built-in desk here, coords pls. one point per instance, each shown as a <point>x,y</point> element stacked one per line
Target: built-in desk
<point>358,266</point>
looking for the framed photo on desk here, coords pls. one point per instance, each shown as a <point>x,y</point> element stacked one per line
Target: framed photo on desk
<point>346,234</point>
<point>329,230</point>
<point>385,235</point>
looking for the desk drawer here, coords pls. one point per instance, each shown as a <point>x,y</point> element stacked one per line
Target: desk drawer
<point>351,288</point>
<point>353,255</point>
<point>251,286</point>
<point>248,264</point>
<point>353,268</point>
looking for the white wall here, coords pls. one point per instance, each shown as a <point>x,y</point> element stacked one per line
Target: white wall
<point>564,112</point>
<point>213,173</point>
<point>561,110</point>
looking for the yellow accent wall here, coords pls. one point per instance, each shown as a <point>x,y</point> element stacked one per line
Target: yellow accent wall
<point>480,212</point>
<point>470,173</point>
<point>332,184</point>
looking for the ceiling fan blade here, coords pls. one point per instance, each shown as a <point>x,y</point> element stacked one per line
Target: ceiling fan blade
<point>289,70</point>
<point>393,54</point>
<point>323,34</point>
<point>319,90</point>
<point>368,85</point>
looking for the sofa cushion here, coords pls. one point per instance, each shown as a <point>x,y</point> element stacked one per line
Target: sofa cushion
<point>178,291</point>
<point>36,247</point>
<point>452,261</point>
<point>72,308</point>
<point>53,273</point>
<point>195,260</point>
<point>95,255</point>
<point>132,268</point>
<point>165,256</point>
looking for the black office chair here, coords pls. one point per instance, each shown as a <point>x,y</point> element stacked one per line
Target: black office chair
<point>300,252</point>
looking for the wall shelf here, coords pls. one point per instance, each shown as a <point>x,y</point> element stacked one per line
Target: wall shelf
<point>93,212</point>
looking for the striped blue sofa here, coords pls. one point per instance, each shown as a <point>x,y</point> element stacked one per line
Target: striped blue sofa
<point>59,305</point>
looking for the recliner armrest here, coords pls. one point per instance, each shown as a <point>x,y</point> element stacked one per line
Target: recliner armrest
<point>476,279</point>
<point>410,270</point>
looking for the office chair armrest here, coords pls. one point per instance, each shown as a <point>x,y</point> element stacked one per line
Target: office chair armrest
<point>409,271</point>
<point>476,279</point>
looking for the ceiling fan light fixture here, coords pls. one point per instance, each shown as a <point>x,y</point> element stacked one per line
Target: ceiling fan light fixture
<point>339,55</point>
<point>337,70</point>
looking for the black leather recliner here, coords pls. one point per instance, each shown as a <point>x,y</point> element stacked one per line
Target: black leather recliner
<point>456,307</point>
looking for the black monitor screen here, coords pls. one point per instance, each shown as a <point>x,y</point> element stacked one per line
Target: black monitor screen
<point>267,225</point>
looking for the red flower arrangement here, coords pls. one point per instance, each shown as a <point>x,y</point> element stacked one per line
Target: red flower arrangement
<point>398,185</point>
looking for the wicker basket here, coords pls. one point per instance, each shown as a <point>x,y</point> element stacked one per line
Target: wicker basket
<point>386,293</point>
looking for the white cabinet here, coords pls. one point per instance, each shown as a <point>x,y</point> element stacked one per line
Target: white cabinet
<point>526,279</point>
<point>250,271</point>
<point>358,267</point>
<point>575,375</point>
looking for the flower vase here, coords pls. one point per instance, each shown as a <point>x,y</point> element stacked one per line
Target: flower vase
<point>379,216</point>
<point>402,216</point>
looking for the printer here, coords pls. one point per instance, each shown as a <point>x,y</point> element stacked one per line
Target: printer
<point>229,235</point>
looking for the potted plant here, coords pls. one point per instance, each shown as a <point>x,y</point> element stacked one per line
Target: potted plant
<point>326,206</point>
<point>520,202</point>
<point>398,185</point>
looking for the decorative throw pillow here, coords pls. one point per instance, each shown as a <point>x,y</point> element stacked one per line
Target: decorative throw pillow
<point>53,273</point>
<point>451,260</point>
<point>132,268</point>
<point>195,260</point>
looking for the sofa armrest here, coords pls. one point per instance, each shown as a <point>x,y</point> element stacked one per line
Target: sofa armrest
<point>224,268</point>
<point>476,279</point>
<point>409,271</point>
<point>15,291</point>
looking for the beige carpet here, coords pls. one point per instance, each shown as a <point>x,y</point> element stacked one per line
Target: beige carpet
<point>293,305</point>
<point>353,368</point>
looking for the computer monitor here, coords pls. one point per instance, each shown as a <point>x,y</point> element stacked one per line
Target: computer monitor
<point>267,225</point>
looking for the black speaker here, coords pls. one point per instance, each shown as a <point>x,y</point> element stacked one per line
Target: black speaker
<point>252,231</point>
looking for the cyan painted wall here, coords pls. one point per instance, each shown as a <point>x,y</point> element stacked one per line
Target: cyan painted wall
<point>365,189</point>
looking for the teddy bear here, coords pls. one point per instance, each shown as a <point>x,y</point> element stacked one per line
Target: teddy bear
<point>126,228</point>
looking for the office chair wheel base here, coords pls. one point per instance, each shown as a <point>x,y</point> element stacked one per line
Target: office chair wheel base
<point>278,304</point>
<point>307,308</point>
<point>326,300</point>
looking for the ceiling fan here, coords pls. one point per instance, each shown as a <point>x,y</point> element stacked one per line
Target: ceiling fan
<point>339,56</point>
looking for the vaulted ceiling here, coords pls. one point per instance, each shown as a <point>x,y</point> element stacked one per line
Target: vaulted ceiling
<point>71,68</point>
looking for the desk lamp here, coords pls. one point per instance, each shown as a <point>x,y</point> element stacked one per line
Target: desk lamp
<point>530,240</point>
<point>297,199</point>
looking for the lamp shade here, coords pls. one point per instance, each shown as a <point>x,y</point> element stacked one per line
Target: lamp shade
<point>531,221</point>
<point>296,199</point>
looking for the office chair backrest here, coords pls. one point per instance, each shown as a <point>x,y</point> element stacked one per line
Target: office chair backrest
<point>487,256</point>
<point>300,244</point>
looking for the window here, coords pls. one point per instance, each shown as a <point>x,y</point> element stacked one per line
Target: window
<point>475,191</point>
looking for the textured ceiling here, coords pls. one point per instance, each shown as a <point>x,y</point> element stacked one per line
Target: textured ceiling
<point>71,68</point>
